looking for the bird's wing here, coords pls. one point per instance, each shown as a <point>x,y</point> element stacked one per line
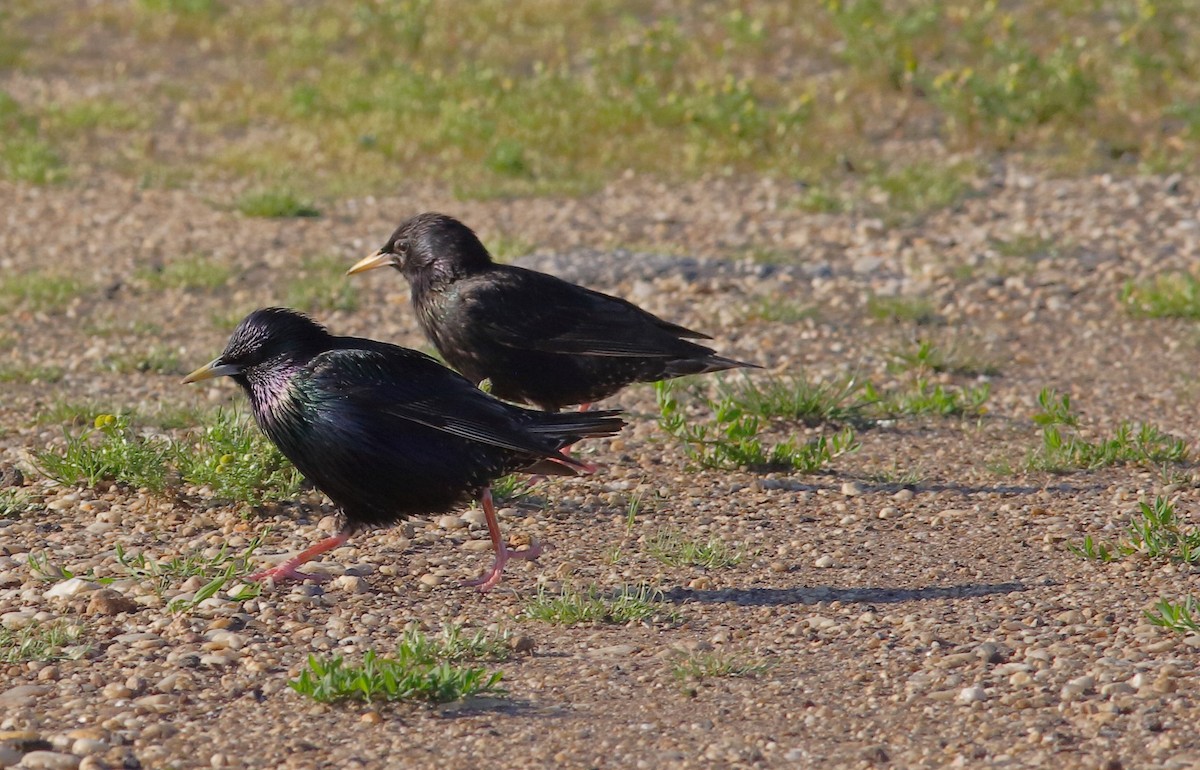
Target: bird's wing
<point>387,382</point>
<point>526,309</point>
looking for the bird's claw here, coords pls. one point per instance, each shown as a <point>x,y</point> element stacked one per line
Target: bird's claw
<point>285,572</point>
<point>490,579</point>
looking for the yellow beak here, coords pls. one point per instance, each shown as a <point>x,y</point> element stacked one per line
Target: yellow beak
<point>214,368</point>
<point>376,260</point>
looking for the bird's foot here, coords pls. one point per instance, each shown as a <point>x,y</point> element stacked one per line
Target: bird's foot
<point>285,572</point>
<point>490,579</point>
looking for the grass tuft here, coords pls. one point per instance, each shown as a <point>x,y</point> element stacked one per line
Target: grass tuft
<point>419,670</point>
<point>1172,295</point>
<point>236,462</point>
<point>571,606</point>
<point>38,641</point>
<point>108,451</point>
<point>274,203</point>
<point>710,665</point>
<point>1182,617</point>
<point>1154,532</point>
<point>673,549</point>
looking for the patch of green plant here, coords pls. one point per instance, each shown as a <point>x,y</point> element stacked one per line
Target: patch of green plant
<point>921,188</point>
<point>572,606</point>
<point>455,646</point>
<point>156,359</point>
<point>1181,617</point>
<point>29,373</point>
<point>236,462</point>
<point>108,451</point>
<point>1025,246</point>
<point>897,476</point>
<point>673,549</point>
<point>699,666</point>
<point>319,284</point>
<point>777,310</point>
<point>13,502</point>
<point>1154,532</point>
<point>47,292</point>
<point>511,489</point>
<point>817,199</point>
<point>196,272</point>
<point>796,398</point>
<point>732,440</point>
<point>921,398</point>
<point>915,310</point>
<point>506,248</point>
<point>1171,295</point>
<point>419,670</point>
<point>1062,451</point>
<point>25,155</point>
<point>38,641</point>
<point>274,203</point>
<point>931,358</point>
<point>67,413</point>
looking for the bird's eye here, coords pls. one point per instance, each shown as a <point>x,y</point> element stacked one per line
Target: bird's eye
<point>401,246</point>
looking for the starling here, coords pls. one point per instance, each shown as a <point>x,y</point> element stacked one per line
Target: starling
<point>387,432</point>
<point>538,339</point>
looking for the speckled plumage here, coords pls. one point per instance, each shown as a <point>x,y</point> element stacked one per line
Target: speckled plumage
<point>538,339</point>
<point>384,431</point>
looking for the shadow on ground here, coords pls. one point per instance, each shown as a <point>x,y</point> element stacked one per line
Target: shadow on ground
<point>754,597</point>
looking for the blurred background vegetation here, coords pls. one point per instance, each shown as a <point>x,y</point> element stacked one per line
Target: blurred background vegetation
<point>550,97</point>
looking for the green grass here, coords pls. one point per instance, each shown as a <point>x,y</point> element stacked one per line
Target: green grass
<point>25,155</point>
<point>675,550</point>
<point>1026,246</point>
<point>45,291</point>
<point>320,284</point>
<point>1063,449</point>
<point>38,641</point>
<point>156,359</point>
<point>274,203</point>
<point>558,97</point>
<point>13,502</point>
<point>236,462</point>
<point>731,441</point>
<point>108,451</point>
<point>953,359</point>
<point>796,398</point>
<point>921,398</point>
<point>421,669</point>
<point>197,272</point>
<point>27,374</point>
<point>1154,532</point>
<point>229,456</point>
<point>697,667</point>
<point>1180,617</point>
<point>573,606</point>
<point>221,569</point>
<point>912,310</point>
<point>1171,295</point>
<point>782,311</point>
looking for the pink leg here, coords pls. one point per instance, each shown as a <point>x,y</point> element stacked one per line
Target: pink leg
<point>288,571</point>
<point>490,579</point>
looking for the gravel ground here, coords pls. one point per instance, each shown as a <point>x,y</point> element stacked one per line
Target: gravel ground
<point>941,622</point>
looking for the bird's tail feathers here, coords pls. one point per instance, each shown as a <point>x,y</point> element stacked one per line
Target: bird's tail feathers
<point>569,427</point>
<point>684,366</point>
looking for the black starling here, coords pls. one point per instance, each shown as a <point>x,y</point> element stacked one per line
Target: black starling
<point>387,432</point>
<point>538,339</point>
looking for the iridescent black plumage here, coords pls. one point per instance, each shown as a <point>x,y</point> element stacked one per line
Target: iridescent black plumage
<point>538,339</point>
<point>384,431</point>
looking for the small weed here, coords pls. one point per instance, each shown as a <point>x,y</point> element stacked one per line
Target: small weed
<point>319,284</point>
<point>710,665</point>
<point>67,413</point>
<point>13,502</point>
<point>1173,295</point>
<point>1146,446</point>
<point>775,310</point>
<point>915,310</point>
<point>897,477</point>
<point>111,451</point>
<point>25,155</point>
<point>572,606</point>
<point>157,359</point>
<point>1055,409</point>
<point>30,374</point>
<point>45,291</point>
<point>921,188</point>
<point>420,670</point>
<point>454,646</point>
<point>820,200</point>
<point>798,399</point>
<point>922,399</point>
<point>1154,532</point>
<point>506,248</point>
<point>673,549</point>
<point>194,273</point>
<point>1025,246</point>
<point>1182,617</point>
<point>236,462</point>
<point>931,358</point>
<point>632,509</point>
<point>732,442</point>
<point>274,203</point>
<point>39,641</point>
<point>511,489</point>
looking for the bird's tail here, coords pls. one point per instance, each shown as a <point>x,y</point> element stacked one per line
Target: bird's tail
<point>714,363</point>
<point>564,429</point>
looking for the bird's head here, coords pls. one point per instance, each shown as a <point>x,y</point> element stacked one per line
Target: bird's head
<point>427,248</point>
<point>266,341</point>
